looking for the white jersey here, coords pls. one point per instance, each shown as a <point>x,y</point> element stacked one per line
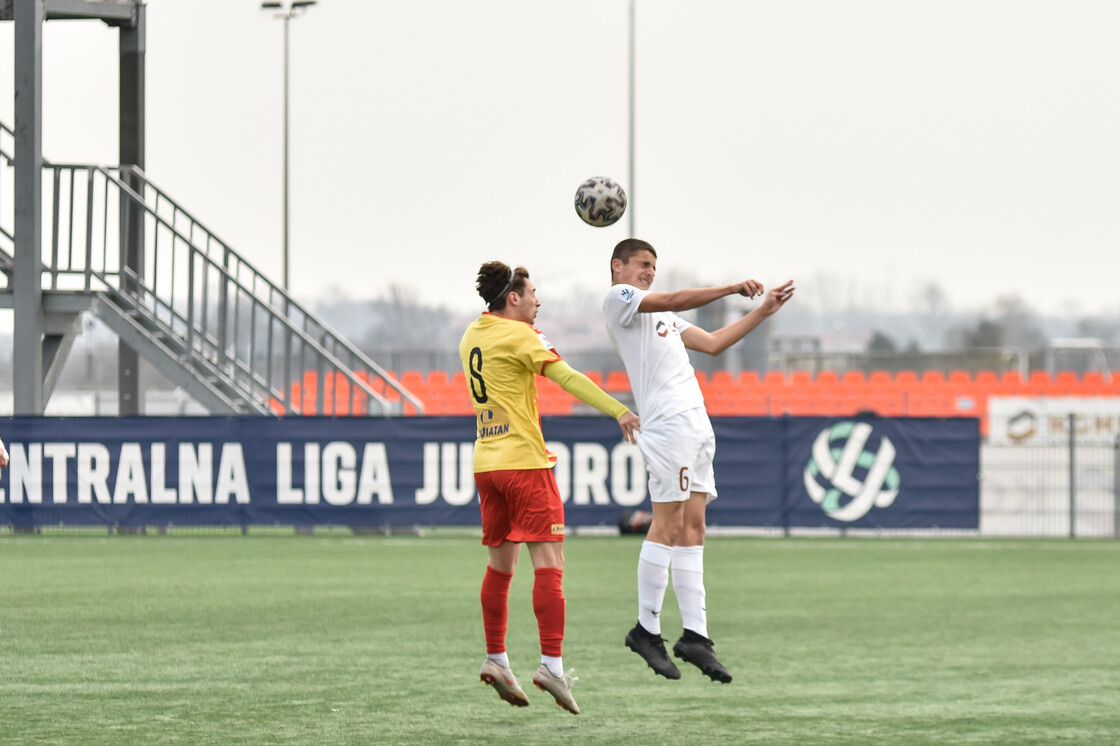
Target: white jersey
<point>653,353</point>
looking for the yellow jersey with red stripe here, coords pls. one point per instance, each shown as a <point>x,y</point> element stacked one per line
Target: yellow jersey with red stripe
<point>501,360</point>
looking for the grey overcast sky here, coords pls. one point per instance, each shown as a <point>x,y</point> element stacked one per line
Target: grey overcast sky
<point>862,147</point>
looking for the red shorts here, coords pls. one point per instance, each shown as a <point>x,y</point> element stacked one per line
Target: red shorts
<point>519,505</point>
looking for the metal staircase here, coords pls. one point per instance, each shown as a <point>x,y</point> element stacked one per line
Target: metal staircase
<point>205,317</point>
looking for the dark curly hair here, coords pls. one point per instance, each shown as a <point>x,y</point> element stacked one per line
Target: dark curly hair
<point>496,280</point>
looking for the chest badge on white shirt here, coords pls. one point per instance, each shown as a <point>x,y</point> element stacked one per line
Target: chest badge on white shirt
<point>663,329</point>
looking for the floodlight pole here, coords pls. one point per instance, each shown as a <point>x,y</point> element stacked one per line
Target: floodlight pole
<point>295,8</point>
<point>630,185</point>
<point>287,218</point>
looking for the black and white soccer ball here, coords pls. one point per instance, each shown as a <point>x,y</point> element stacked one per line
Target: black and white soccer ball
<point>600,201</point>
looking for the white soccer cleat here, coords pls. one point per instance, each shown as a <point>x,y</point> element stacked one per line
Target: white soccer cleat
<point>560,687</point>
<point>504,682</point>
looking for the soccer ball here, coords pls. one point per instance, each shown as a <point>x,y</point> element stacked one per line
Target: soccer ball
<point>600,201</point>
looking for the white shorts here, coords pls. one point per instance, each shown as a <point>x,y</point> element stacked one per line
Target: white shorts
<point>678,452</point>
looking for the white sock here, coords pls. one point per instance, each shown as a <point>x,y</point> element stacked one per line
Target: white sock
<point>502,659</point>
<point>688,584</point>
<point>653,579</point>
<point>555,665</point>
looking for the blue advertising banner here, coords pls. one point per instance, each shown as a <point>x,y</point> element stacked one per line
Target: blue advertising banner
<point>146,471</point>
<point>883,473</point>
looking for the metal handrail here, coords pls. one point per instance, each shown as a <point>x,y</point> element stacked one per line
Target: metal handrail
<point>225,314</point>
<point>311,324</point>
<point>229,281</point>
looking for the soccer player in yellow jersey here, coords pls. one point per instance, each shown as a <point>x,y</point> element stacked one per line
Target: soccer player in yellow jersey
<point>502,354</point>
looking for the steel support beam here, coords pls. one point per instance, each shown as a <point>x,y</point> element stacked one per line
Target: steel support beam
<point>113,12</point>
<point>27,340</point>
<point>60,331</point>
<point>131,146</point>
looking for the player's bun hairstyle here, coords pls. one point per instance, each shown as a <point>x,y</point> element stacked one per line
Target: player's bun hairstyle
<point>627,248</point>
<point>496,280</point>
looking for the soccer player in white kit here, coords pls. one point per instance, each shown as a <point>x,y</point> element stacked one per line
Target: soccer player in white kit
<point>676,441</point>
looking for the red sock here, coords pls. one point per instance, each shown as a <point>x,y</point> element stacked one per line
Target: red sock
<point>495,608</point>
<point>548,605</point>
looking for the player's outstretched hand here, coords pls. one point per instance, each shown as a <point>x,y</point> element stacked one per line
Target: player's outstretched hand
<point>751,288</point>
<point>777,297</point>
<point>3,455</point>
<point>630,424</point>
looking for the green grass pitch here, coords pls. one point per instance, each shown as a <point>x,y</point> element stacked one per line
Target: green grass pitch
<point>342,639</point>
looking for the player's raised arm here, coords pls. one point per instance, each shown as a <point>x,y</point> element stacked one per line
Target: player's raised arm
<point>3,455</point>
<point>584,389</point>
<point>690,298</point>
<point>714,343</point>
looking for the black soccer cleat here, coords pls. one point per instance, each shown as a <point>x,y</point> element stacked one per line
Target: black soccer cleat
<point>652,648</point>
<point>697,650</point>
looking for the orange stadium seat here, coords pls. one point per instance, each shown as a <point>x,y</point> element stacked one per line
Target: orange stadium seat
<point>719,403</point>
<point>723,394</point>
<point>310,393</point>
<point>707,388</point>
<point>827,385</point>
<point>885,403</point>
<point>880,383</point>
<point>906,380</point>
<point>552,398</point>
<point>934,380</point>
<point>1011,383</point>
<point>800,402</point>
<point>830,401</point>
<point>413,382</point>
<point>749,394</point>
<point>446,394</point>
<point>1066,383</point>
<point>750,379</point>
<point>382,386</point>
<point>735,402</point>
<point>935,403</point>
<point>1095,383</point>
<point>854,382</point>
<point>616,382</point>
<point>437,379</point>
<point>336,394</point>
<point>752,405</point>
<point>721,378</point>
<point>1112,382</point>
<point>411,379</point>
<point>960,381</point>
<point>595,376</point>
<point>358,401</point>
<point>827,379</point>
<point>1041,384</point>
<point>969,404</point>
<point>800,380</point>
<point>986,381</point>
<point>774,382</point>
<point>848,402</point>
<point>776,402</point>
<point>459,394</point>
